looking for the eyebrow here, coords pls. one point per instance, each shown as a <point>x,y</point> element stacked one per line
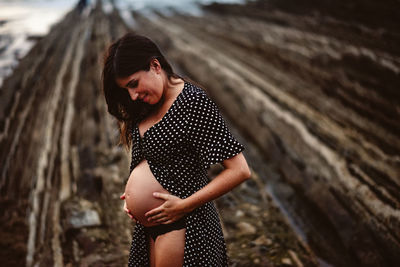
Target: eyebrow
<point>131,81</point>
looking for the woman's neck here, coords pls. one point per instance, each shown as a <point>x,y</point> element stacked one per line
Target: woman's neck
<point>172,89</point>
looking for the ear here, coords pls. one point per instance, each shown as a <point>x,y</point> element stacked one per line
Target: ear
<point>155,65</point>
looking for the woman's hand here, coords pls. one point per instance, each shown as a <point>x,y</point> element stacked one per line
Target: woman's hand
<point>126,209</point>
<point>170,211</point>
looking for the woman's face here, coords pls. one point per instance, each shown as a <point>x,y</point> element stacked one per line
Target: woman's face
<point>147,86</point>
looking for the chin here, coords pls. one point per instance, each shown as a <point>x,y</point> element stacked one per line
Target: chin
<point>152,102</point>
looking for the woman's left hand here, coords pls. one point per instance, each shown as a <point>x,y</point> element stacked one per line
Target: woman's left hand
<point>170,211</point>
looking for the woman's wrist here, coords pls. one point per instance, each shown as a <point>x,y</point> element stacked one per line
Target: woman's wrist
<point>188,205</point>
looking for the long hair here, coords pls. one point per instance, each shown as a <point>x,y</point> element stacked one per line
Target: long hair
<point>129,54</point>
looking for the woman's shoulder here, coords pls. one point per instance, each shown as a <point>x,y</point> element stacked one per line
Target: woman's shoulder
<point>194,94</point>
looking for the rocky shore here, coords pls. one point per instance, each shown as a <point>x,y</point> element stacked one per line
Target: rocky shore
<point>311,93</point>
<point>316,91</point>
<point>61,171</point>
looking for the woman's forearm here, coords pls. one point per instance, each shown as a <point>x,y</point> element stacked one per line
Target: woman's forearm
<point>223,183</point>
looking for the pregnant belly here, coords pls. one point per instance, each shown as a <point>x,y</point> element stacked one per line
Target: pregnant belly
<point>139,192</point>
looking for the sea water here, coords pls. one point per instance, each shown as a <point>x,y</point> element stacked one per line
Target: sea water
<point>19,22</point>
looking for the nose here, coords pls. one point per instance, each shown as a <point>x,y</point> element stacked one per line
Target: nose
<point>134,95</point>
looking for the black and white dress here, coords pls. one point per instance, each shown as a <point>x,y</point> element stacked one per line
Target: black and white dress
<point>179,149</point>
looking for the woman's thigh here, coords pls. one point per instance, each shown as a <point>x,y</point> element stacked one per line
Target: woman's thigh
<point>169,249</point>
<point>151,252</point>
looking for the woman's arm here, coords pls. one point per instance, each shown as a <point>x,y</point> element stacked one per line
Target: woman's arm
<point>236,171</point>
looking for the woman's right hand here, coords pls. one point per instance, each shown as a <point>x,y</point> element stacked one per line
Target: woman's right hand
<point>126,208</point>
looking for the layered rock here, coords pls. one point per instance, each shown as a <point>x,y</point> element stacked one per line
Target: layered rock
<point>319,98</point>
<point>62,172</point>
<point>314,96</point>
<point>59,183</point>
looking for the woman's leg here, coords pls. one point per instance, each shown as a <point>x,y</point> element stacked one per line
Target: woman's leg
<point>169,249</point>
<point>151,252</point>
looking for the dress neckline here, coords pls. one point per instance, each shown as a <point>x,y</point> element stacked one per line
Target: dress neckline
<point>164,116</point>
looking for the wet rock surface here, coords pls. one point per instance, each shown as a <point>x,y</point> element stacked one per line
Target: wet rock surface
<point>311,93</point>
<point>316,93</point>
<point>61,170</point>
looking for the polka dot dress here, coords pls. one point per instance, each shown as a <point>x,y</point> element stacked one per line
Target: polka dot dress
<point>179,149</point>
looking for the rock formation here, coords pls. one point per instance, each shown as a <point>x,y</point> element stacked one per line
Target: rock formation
<point>312,93</point>
<point>316,91</point>
<point>61,171</point>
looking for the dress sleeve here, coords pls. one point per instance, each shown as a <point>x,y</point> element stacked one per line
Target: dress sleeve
<point>208,132</point>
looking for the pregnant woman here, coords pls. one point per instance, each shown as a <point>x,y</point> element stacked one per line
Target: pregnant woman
<point>176,132</point>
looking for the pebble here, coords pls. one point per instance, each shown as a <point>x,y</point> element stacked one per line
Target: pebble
<point>262,240</point>
<point>239,213</point>
<point>246,228</point>
<point>84,219</point>
<point>81,213</point>
<point>263,248</point>
<point>255,208</point>
<point>286,261</point>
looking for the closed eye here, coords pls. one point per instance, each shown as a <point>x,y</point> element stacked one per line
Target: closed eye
<point>132,84</point>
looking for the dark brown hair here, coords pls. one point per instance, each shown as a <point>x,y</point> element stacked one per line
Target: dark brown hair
<point>129,54</point>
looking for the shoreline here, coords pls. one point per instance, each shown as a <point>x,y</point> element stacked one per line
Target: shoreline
<point>22,25</point>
